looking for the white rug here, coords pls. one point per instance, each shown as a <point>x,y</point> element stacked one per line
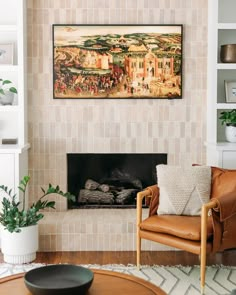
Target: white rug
<point>220,280</point>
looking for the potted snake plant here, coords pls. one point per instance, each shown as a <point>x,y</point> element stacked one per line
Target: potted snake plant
<point>19,224</point>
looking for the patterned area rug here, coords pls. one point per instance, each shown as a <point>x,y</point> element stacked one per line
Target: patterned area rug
<point>220,280</point>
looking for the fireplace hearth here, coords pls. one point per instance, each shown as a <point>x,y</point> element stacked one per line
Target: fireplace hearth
<point>110,180</point>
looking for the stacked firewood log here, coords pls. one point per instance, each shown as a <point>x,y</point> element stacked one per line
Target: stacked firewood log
<point>96,193</point>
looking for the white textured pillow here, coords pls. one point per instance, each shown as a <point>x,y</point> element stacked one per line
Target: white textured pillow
<point>183,191</point>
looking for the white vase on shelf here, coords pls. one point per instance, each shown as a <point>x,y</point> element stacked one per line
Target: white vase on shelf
<point>230,133</point>
<point>7,99</point>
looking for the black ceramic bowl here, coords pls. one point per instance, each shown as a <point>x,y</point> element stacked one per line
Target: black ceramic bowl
<point>59,279</point>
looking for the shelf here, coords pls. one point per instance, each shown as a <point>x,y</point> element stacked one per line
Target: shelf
<point>219,146</point>
<point>13,121</point>
<point>8,68</point>
<point>13,148</point>
<point>227,26</point>
<point>8,28</point>
<point>221,31</point>
<point>226,66</point>
<point>225,106</point>
<point>13,29</point>
<point>9,108</point>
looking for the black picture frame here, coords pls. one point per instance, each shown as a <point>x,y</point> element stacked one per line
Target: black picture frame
<point>117,61</point>
<point>230,91</point>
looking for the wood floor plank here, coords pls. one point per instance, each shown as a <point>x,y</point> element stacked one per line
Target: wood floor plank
<point>129,257</point>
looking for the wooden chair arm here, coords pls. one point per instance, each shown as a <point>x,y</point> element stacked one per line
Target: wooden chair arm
<point>139,203</point>
<point>210,205</point>
<point>204,216</point>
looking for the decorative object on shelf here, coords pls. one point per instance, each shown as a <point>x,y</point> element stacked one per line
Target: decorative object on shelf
<point>19,226</point>
<point>9,141</point>
<point>230,91</point>
<point>6,92</point>
<point>228,53</point>
<point>230,133</point>
<point>117,61</point>
<point>6,54</point>
<point>229,119</point>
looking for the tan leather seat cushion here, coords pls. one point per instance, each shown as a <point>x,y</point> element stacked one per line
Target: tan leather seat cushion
<point>186,227</point>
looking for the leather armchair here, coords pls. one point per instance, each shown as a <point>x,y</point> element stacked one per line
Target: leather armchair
<point>208,233</point>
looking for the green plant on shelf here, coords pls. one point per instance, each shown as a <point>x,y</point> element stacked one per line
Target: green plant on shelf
<point>228,118</point>
<point>6,87</point>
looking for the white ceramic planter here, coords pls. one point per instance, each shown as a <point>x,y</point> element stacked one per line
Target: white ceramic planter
<point>230,133</point>
<point>20,247</point>
<point>7,99</point>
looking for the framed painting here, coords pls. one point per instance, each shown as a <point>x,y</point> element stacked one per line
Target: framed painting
<point>6,54</point>
<point>230,91</point>
<point>117,61</point>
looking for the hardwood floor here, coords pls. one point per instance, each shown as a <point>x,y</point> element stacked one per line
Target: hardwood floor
<point>128,257</point>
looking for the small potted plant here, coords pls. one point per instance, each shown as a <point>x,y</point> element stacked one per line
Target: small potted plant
<point>229,119</point>
<point>7,92</point>
<point>19,225</point>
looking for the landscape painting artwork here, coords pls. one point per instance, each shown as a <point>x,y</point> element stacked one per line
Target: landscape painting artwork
<point>117,61</point>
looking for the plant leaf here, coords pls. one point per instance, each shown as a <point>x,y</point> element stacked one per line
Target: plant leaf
<point>13,218</point>
<point>6,82</point>
<point>13,89</point>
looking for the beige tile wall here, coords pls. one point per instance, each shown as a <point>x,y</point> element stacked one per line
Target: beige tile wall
<point>92,230</point>
<point>57,127</point>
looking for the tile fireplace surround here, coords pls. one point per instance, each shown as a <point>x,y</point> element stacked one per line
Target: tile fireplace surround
<point>57,127</point>
<point>91,230</point>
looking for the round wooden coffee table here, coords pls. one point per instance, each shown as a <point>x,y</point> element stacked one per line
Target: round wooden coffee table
<point>105,282</point>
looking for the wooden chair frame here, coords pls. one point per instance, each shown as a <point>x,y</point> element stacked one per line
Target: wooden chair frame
<point>204,216</point>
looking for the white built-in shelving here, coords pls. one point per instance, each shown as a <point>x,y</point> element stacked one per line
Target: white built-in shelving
<point>221,30</point>
<point>13,118</point>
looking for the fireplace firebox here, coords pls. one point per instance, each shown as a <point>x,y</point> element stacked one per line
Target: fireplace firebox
<point>110,180</point>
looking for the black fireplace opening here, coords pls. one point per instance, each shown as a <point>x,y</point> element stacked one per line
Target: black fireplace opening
<point>110,180</point>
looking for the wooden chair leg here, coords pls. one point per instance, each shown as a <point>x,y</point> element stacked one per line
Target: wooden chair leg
<point>203,246</point>
<point>138,250</point>
<point>140,197</point>
<point>203,269</point>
